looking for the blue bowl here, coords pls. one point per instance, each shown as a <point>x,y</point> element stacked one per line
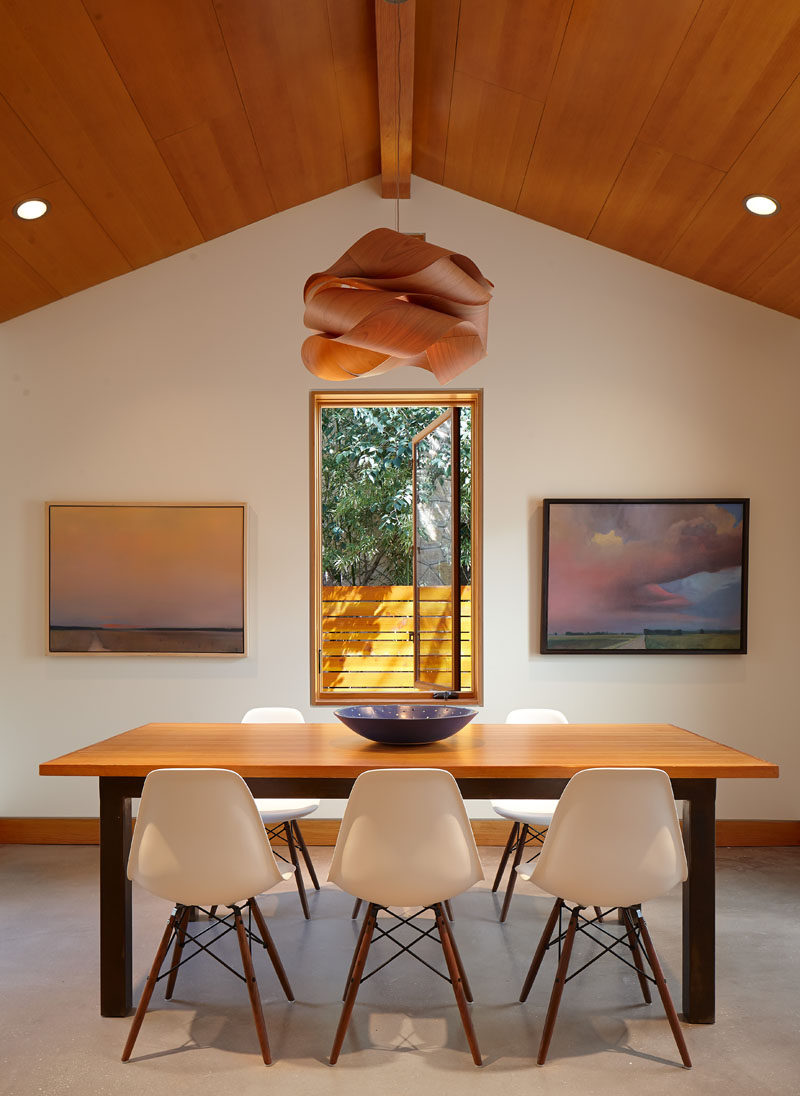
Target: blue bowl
<point>405,724</point>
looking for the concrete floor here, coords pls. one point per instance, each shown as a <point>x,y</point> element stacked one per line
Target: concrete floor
<point>405,1036</point>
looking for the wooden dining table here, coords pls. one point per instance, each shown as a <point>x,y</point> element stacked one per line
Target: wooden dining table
<point>488,760</point>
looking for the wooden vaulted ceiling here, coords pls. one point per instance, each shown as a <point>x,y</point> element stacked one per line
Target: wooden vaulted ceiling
<point>152,125</point>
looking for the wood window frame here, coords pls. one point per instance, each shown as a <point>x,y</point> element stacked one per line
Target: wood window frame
<point>319,401</point>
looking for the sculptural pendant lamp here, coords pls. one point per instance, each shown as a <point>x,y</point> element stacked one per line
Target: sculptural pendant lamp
<point>394,299</point>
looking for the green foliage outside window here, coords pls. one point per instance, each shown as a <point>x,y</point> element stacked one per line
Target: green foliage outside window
<point>366,493</point>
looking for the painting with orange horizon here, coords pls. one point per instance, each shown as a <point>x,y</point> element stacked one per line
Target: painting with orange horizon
<point>635,576</point>
<point>147,578</point>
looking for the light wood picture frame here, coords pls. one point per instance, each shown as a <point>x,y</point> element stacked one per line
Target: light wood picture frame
<point>151,578</point>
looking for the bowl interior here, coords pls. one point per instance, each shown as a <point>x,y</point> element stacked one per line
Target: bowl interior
<point>403,711</point>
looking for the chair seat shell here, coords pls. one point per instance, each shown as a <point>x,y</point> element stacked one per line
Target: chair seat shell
<point>405,839</point>
<point>614,840</point>
<point>533,812</point>
<point>277,813</point>
<point>274,811</point>
<point>199,840</point>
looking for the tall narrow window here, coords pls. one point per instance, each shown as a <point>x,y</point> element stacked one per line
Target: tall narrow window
<point>396,576</point>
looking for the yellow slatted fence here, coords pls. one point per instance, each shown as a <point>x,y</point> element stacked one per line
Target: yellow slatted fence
<point>366,643</point>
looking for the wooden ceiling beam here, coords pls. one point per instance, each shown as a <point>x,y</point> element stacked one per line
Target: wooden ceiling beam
<point>394,34</point>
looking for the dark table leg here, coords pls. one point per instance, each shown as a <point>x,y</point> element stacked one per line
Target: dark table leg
<point>115,899</point>
<point>699,839</point>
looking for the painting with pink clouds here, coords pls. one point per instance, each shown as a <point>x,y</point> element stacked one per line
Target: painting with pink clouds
<point>151,579</point>
<point>646,576</point>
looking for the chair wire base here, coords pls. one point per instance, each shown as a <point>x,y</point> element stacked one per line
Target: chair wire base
<point>519,838</point>
<point>636,939</point>
<point>448,909</point>
<point>439,931</point>
<point>177,931</point>
<point>289,832</point>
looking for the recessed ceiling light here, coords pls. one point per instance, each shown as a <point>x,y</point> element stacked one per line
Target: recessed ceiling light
<point>31,209</point>
<point>761,205</point>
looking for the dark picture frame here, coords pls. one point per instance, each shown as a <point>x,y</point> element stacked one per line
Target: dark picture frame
<point>645,576</point>
<point>146,578</point>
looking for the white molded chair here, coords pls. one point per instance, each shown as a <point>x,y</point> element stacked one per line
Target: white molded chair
<point>594,856</point>
<point>199,842</point>
<point>405,841</point>
<point>280,815</point>
<point>531,817</point>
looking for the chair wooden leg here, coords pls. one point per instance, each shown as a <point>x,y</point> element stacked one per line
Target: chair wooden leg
<point>558,988</point>
<point>361,932</point>
<point>598,914</point>
<point>453,967</point>
<point>356,908</point>
<point>149,985</point>
<point>457,954</point>
<point>504,858</point>
<point>272,951</point>
<point>304,850</point>
<point>541,948</point>
<point>298,875</point>
<point>180,940</point>
<point>633,943</point>
<point>252,985</point>
<point>512,879</point>
<point>666,1000</point>
<point>448,909</point>
<point>357,970</point>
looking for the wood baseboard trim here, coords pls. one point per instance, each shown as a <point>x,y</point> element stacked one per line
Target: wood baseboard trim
<point>49,831</point>
<point>731,832</point>
<point>743,832</point>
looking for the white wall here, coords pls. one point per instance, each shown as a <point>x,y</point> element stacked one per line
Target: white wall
<point>606,378</point>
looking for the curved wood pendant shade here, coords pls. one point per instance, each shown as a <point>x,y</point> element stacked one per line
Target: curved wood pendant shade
<point>392,300</point>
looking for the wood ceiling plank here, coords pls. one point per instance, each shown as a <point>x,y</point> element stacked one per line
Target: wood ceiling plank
<point>174,63</point>
<point>21,288</point>
<point>775,283</point>
<point>434,62</point>
<point>654,199</point>
<point>736,62</point>
<point>172,59</point>
<point>394,38</point>
<point>489,141</point>
<point>218,170</point>
<point>67,248</point>
<point>358,107</point>
<point>24,165</point>
<point>353,41</point>
<point>613,60</point>
<point>512,44</point>
<point>75,103</point>
<point>725,244</point>
<point>283,60</point>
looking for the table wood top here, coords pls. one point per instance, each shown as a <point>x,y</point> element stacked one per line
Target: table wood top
<point>480,750</point>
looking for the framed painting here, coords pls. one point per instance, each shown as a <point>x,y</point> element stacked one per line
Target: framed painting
<point>644,576</point>
<point>146,578</point>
